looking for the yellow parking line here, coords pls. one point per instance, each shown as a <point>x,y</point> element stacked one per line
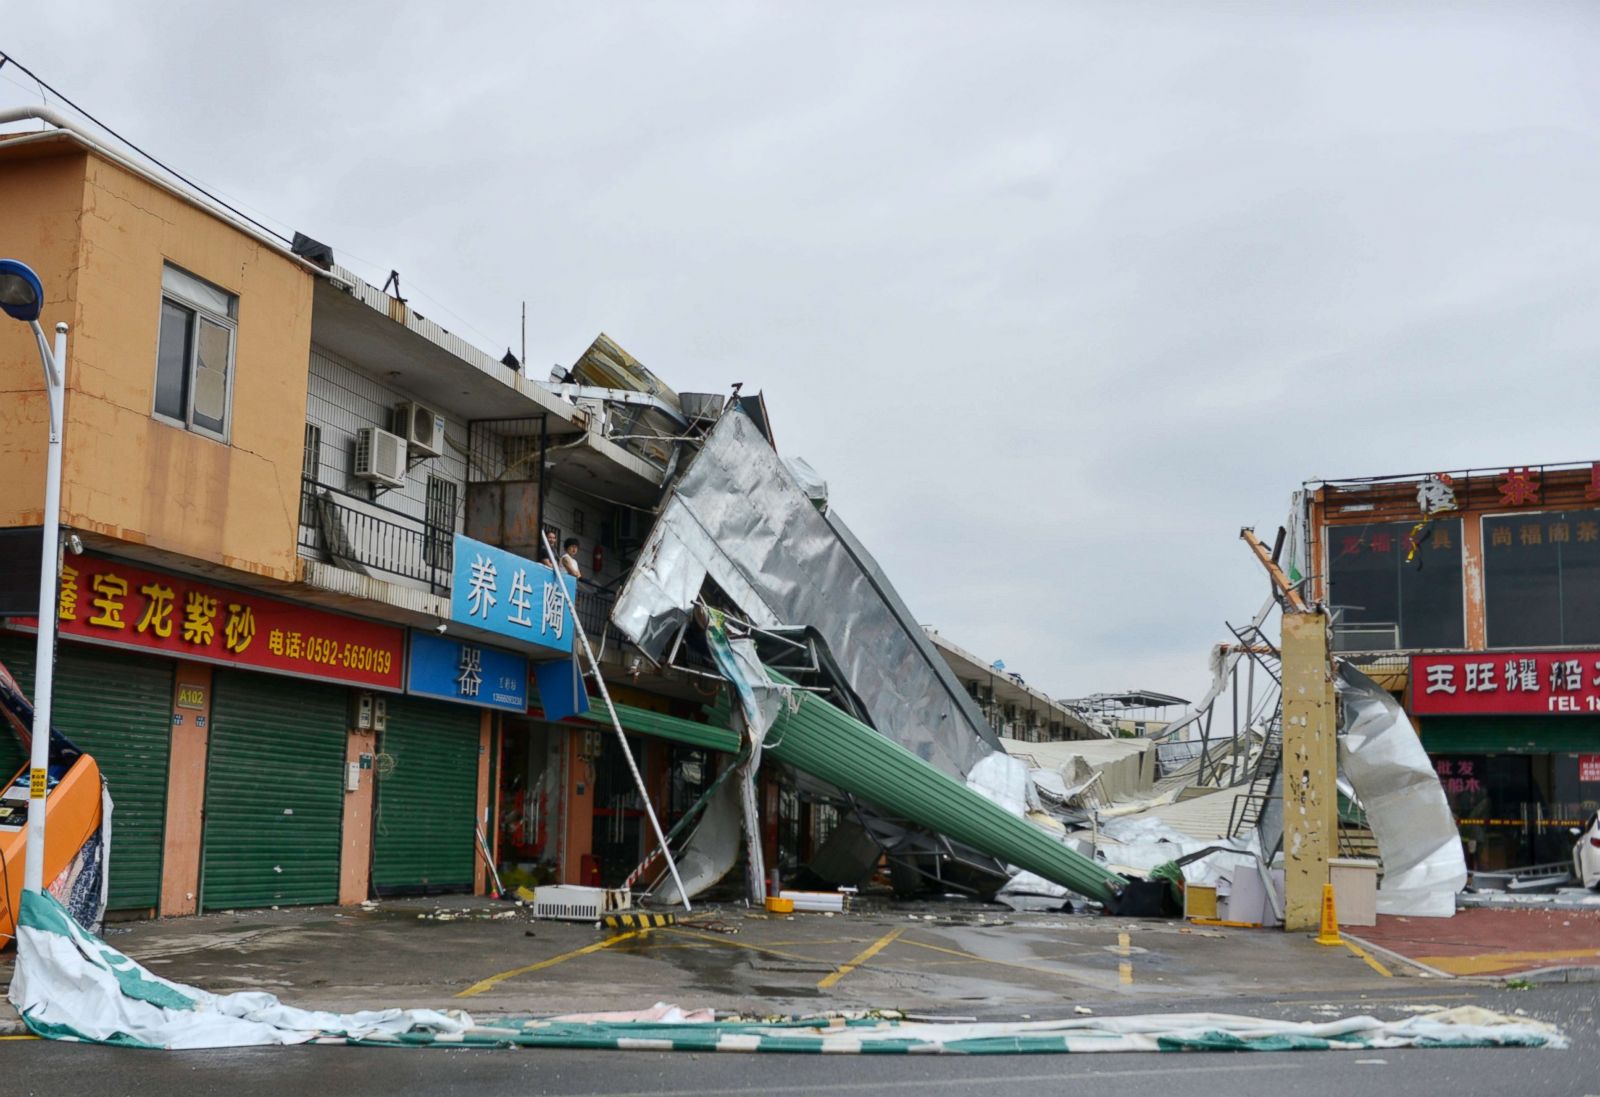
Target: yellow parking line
<point>495,980</point>
<point>748,948</point>
<point>29,1036</point>
<point>1489,962</point>
<point>1035,968</point>
<point>866,954</point>
<point>1371,963</point>
<point>1124,967</point>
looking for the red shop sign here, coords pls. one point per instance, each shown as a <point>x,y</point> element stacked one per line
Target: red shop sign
<point>1506,683</point>
<point>109,602</point>
<point>1589,767</point>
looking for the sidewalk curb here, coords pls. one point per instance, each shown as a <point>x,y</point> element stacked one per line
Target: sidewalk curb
<point>1396,958</point>
<point>1572,973</point>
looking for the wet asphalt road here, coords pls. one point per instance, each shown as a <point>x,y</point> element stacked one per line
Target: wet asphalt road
<point>35,1067</point>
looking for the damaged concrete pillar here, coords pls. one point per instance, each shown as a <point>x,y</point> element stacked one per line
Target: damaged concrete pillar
<point>1310,768</point>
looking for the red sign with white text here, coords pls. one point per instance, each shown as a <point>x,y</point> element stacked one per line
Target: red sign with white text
<point>109,602</point>
<point>1561,683</point>
<point>1589,768</point>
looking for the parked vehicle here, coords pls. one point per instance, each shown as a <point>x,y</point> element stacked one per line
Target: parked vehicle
<point>1586,854</point>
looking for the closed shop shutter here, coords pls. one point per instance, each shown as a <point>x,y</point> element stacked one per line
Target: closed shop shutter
<point>274,792</point>
<point>118,707</point>
<point>16,652</point>
<point>424,830</point>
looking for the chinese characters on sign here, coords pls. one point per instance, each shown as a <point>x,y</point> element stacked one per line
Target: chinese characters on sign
<point>1501,683</point>
<point>472,674</point>
<point>495,590</point>
<point>1458,777</point>
<point>110,602</point>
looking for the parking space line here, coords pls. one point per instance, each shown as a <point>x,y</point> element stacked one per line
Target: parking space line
<point>748,948</point>
<point>1035,968</point>
<point>495,980</point>
<point>1365,955</point>
<point>1124,967</point>
<point>866,954</point>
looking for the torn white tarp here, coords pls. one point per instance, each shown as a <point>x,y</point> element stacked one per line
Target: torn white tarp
<point>1385,763</point>
<point>70,985</point>
<point>1004,780</point>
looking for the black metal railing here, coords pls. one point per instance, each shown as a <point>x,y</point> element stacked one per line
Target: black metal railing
<point>593,605</point>
<point>352,533</point>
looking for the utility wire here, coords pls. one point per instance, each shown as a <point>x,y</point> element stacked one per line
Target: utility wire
<point>174,172</point>
<point>215,196</point>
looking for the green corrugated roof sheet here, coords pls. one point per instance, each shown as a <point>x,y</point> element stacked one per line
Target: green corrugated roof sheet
<point>827,743</point>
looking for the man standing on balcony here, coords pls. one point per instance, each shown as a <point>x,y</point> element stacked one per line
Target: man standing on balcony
<point>569,558</point>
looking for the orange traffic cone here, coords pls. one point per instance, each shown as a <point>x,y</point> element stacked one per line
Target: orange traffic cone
<point>1330,919</point>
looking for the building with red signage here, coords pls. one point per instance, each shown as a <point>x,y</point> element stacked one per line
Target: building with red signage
<point>1475,597</point>
<point>267,463</point>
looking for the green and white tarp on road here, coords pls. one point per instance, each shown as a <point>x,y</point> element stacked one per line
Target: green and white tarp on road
<point>70,985</point>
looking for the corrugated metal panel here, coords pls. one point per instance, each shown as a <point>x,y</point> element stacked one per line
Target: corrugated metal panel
<point>424,834</point>
<point>662,726</point>
<point>274,792</point>
<point>118,707</point>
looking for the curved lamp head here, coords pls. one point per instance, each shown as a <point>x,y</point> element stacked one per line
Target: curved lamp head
<point>21,294</point>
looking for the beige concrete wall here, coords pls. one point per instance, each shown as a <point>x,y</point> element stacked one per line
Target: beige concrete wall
<point>41,194</point>
<point>100,235</point>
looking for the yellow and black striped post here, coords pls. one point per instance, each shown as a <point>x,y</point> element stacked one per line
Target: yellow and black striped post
<point>639,921</point>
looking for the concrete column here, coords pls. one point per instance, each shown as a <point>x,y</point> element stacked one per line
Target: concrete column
<point>1310,768</point>
<point>480,874</point>
<point>186,789</point>
<point>355,852</point>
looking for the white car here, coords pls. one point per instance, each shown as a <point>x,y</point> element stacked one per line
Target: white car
<point>1586,853</point>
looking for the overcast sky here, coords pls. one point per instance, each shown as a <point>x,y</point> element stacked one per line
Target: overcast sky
<point>1057,296</point>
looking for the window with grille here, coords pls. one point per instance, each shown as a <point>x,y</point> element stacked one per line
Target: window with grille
<point>441,521</point>
<point>310,473</point>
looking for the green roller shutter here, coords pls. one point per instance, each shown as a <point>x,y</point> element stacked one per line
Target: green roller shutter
<point>118,707</point>
<point>16,652</point>
<point>423,831</point>
<point>274,792</point>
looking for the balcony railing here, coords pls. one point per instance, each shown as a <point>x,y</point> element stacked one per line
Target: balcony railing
<point>593,605</point>
<point>366,537</point>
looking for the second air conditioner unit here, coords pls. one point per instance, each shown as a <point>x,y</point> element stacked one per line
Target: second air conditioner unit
<point>421,427</point>
<point>380,457</point>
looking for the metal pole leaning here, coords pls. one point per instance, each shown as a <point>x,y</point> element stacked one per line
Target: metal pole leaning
<point>611,710</point>
<point>45,646</point>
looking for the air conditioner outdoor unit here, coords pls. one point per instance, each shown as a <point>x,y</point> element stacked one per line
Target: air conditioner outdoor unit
<point>380,456</point>
<point>421,427</point>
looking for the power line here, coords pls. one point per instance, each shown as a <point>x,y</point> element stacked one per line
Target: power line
<point>174,172</point>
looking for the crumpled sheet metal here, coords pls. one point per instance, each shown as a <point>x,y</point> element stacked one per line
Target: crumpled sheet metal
<point>1383,759</point>
<point>739,517</point>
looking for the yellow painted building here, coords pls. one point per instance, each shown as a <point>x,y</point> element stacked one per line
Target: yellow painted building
<point>101,238</point>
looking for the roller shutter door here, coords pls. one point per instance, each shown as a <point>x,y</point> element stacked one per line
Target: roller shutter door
<point>118,707</point>
<point>274,792</point>
<point>423,832</point>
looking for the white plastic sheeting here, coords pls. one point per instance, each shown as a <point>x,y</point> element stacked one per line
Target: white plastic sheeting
<point>70,985</point>
<point>1004,780</point>
<point>1382,757</point>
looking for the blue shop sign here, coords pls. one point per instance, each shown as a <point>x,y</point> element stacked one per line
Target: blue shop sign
<point>504,593</point>
<point>459,670</point>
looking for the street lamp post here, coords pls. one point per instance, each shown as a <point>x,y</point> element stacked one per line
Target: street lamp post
<point>22,298</point>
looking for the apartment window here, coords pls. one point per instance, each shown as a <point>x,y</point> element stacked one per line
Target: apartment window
<point>194,356</point>
<point>441,521</point>
<point>1388,596</point>
<point>1541,578</point>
